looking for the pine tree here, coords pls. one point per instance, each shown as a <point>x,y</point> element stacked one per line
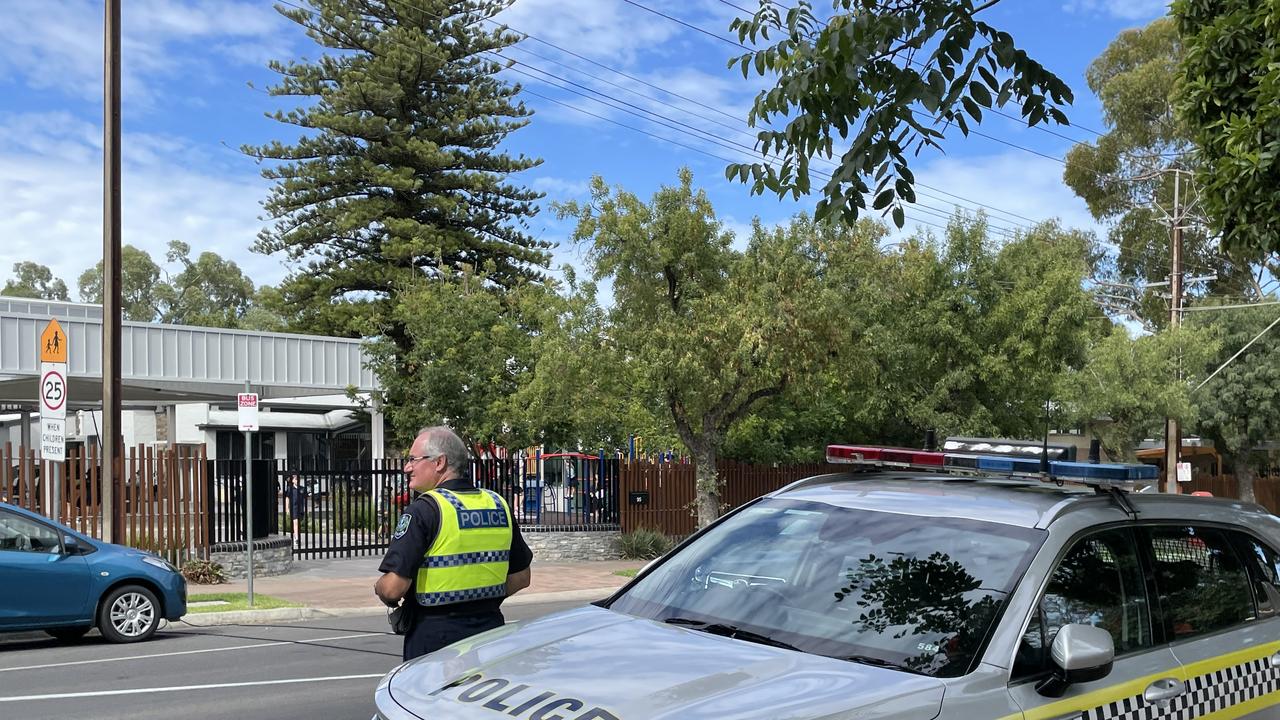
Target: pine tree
<point>399,173</point>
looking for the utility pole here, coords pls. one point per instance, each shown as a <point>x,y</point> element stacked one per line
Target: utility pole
<point>1173,433</point>
<point>112,527</point>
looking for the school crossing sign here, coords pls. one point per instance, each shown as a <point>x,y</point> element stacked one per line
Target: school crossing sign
<point>53,392</point>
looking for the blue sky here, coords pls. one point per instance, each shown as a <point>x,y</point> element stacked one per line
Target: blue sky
<point>193,79</point>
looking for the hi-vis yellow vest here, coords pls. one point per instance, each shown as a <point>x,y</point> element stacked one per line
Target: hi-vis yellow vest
<point>468,560</point>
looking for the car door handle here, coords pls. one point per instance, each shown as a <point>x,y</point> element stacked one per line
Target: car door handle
<point>1162,691</point>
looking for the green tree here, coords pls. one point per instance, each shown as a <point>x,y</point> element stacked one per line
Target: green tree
<point>1126,388</point>
<point>399,174</point>
<point>1127,172</point>
<point>469,354</point>
<point>1231,101</point>
<point>208,291</point>
<point>708,332</point>
<point>1240,406</point>
<point>140,285</point>
<point>885,78</point>
<point>33,280</point>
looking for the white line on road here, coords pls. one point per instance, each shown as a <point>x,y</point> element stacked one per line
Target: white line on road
<point>184,688</point>
<point>191,652</point>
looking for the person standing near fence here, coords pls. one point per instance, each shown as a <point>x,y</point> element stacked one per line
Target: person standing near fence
<point>456,553</point>
<point>297,495</point>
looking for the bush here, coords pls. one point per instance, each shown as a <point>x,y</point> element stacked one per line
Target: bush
<point>203,572</point>
<point>644,544</point>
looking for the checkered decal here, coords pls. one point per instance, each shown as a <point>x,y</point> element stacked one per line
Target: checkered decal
<point>1206,694</point>
<point>1224,688</point>
<point>457,596</point>
<point>471,558</point>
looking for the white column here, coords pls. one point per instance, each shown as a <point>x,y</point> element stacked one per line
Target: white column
<point>378,436</point>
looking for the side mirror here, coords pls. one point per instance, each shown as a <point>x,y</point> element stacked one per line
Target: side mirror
<point>1081,654</point>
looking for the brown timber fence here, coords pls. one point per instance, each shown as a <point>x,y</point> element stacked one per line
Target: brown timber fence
<point>159,495</point>
<point>661,496</point>
<point>1266,488</point>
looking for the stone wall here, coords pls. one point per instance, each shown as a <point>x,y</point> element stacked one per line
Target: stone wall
<point>571,546</point>
<point>271,556</point>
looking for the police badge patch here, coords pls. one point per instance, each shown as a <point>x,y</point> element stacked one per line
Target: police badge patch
<point>402,527</point>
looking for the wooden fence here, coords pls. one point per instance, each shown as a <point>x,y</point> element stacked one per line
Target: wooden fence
<point>661,496</point>
<point>1265,488</point>
<point>159,494</point>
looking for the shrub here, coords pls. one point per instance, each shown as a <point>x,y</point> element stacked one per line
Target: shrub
<point>644,544</point>
<point>203,572</point>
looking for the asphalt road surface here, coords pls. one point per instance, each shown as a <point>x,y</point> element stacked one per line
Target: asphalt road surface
<point>318,670</point>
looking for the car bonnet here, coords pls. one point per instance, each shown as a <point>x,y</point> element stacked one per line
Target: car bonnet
<point>595,664</point>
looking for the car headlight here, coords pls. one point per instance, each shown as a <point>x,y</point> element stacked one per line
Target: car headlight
<point>157,562</point>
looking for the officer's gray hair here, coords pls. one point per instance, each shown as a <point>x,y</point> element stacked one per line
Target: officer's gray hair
<point>443,441</point>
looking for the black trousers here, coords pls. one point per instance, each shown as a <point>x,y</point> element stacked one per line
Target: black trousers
<point>432,632</point>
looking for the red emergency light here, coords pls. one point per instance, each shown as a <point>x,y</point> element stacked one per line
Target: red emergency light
<point>884,456</point>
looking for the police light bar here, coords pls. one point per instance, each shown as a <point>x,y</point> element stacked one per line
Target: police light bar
<point>884,456</point>
<point>1015,464</point>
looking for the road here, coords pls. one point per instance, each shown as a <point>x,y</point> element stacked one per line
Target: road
<point>318,670</point>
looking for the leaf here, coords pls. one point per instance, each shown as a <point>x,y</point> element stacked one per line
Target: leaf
<point>882,200</point>
<point>899,217</point>
<point>980,94</point>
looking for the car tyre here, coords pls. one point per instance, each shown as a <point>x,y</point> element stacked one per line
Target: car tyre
<point>68,634</point>
<point>129,613</point>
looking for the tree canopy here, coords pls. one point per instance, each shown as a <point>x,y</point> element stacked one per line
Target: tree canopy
<point>398,172</point>
<point>876,82</point>
<point>1231,101</point>
<point>33,280</point>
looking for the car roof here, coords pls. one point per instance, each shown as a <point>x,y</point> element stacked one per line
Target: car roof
<point>1023,502</point>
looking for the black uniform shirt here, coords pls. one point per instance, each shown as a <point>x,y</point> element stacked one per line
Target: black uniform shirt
<point>415,535</point>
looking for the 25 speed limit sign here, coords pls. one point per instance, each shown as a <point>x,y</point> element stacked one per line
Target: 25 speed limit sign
<point>53,390</point>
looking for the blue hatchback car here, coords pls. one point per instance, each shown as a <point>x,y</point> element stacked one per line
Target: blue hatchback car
<point>57,580</point>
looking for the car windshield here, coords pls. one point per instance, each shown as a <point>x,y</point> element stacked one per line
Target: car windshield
<point>920,594</point>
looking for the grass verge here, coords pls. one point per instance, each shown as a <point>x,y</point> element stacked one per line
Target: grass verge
<point>236,601</point>
<point>626,573</point>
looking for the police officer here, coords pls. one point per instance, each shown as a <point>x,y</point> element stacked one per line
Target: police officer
<point>456,552</point>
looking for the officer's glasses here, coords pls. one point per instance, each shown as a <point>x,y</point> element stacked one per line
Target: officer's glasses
<point>411,459</point>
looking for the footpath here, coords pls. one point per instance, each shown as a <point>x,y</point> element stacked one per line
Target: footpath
<point>344,587</point>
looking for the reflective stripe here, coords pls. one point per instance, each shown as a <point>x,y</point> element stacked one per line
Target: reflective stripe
<point>471,558</point>
<point>449,597</point>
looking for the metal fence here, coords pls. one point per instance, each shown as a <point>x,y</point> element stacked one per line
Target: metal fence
<point>352,513</point>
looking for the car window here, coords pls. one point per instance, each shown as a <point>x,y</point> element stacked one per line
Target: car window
<point>1202,582</point>
<point>1099,582</point>
<point>918,593</point>
<point>1263,565</point>
<point>22,535</point>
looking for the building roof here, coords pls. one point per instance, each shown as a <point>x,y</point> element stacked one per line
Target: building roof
<point>162,364</point>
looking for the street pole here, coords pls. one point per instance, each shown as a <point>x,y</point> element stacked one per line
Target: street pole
<point>248,499</point>
<point>1173,433</point>
<point>112,528</point>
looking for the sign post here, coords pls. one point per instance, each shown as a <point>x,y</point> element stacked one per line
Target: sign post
<point>53,393</point>
<point>247,404</point>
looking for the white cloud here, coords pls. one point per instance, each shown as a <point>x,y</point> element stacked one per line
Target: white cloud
<point>561,188</point>
<point>58,46</point>
<point>1122,9</point>
<point>51,210</point>
<point>605,30</point>
<point>1017,188</point>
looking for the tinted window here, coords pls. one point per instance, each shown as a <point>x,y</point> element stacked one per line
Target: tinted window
<point>920,593</point>
<point>1203,584</point>
<point>20,534</point>
<point>1098,582</point>
<point>1264,568</point>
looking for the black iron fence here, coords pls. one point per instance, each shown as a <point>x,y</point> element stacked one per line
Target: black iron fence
<point>350,513</point>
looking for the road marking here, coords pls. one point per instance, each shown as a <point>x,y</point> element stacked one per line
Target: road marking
<point>185,688</point>
<point>191,652</point>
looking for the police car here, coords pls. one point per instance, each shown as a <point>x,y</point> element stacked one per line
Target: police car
<point>918,585</point>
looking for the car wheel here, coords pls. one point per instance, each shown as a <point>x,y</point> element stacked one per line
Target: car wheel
<point>128,614</point>
<point>68,634</point>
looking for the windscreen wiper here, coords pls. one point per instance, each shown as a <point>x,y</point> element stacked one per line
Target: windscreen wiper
<point>879,662</point>
<point>730,631</point>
